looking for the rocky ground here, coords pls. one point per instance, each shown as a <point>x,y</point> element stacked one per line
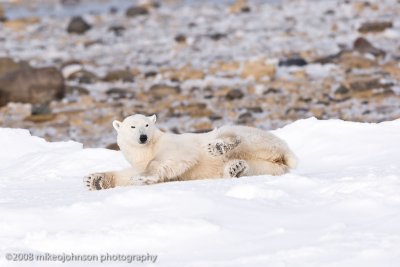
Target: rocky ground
<point>66,75</point>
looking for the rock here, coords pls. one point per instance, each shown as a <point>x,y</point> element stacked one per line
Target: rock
<point>353,61</point>
<point>70,66</point>
<point>159,91</point>
<point>239,6</point>
<point>150,74</point>
<point>330,12</point>
<point>113,10</point>
<point>194,110</point>
<point>359,84</point>
<point>295,113</point>
<point>20,24</point>
<point>180,38</point>
<point>328,59</point>
<point>40,109</point>
<point>118,30</point>
<point>202,127</point>
<point>294,61</point>
<point>113,146</point>
<point>255,109</point>
<point>342,90</point>
<point>393,68</point>
<point>245,118</point>
<point>257,70</point>
<point>184,73</point>
<point>215,117</point>
<point>119,75</point>
<point>225,68</point>
<point>217,36</point>
<point>375,26</point>
<point>272,90</point>
<point>30,85</point>
<point>84,76</point>
<point>119,93</point>
<point>8,65</point>
<point>318,112</point>
<point>89,43</point>
<point>78,25</point>
<point>234,94</point>
<point>135,11</point>
<point>76,90</point>
<point>15,112</point>
<point>363,46</point>
<point>2,14</point>
<point>70,2</point>
<point>41,118</point>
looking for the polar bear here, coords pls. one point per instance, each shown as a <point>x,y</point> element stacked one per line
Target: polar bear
<point>156,156</point>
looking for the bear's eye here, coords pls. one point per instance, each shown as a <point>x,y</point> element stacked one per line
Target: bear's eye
<point>147,125</point>
<point>132,126</point>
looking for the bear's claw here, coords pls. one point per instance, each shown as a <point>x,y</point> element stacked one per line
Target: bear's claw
<point>95,181</point>
<point>220,147</point>
<point>237,168</point>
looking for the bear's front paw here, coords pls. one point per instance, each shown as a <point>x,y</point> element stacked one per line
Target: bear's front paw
<point>96,181</point>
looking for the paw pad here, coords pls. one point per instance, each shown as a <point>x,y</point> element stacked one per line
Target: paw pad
<point>94,181</point>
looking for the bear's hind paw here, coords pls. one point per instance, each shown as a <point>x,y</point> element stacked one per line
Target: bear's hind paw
<point>220,147</point>
<point>217,148</point>
<point>236,168</point>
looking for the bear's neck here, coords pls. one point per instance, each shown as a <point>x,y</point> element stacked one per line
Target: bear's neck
<point>140,157</point>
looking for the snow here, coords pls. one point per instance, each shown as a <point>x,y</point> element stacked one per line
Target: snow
<point>340,207</point>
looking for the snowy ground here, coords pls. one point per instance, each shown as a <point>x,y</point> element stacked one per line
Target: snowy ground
<point>341,207</point>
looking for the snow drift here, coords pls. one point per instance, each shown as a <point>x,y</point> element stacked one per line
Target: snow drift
<point>340,207</point>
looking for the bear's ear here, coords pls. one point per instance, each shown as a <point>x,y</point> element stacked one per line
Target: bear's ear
<point>153,118</point>
<point>117,125</point>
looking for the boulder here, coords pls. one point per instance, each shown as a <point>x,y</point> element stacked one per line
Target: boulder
<point>375,26</point>
<point>32,85</point>
<point>2,14</point>
<point>119,93</point>
<point>351,60</point>
<point>180,38</point>
<point>76,90</point>
<point>83,76</point>
<point>363,83</point>
<point>135,11</point>
<point>161,90</point>
<point>78,25</point>
<point>194,110</point>
<point>293,61</point>
<point>118,30</point>
<point>184,73</point>
<point>363,46</point>
<point>119,75</point>
<point>257,70</point>
<point>239,6</point>
<point>20,24</point>
<point>8,65</point>
<point>234,94</point>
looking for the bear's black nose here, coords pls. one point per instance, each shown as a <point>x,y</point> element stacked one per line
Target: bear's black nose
<point>143,138</point>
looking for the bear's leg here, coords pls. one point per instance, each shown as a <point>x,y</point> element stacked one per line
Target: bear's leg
<point>171,170</point>
<point>263,167</point>
<point>223,145</point>
<point>236,168</point>
<point>99,181</point>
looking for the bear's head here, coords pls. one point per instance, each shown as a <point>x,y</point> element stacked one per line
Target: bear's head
<point>136,130</point>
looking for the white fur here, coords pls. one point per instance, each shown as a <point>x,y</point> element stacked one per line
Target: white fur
<point>170,157</point>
